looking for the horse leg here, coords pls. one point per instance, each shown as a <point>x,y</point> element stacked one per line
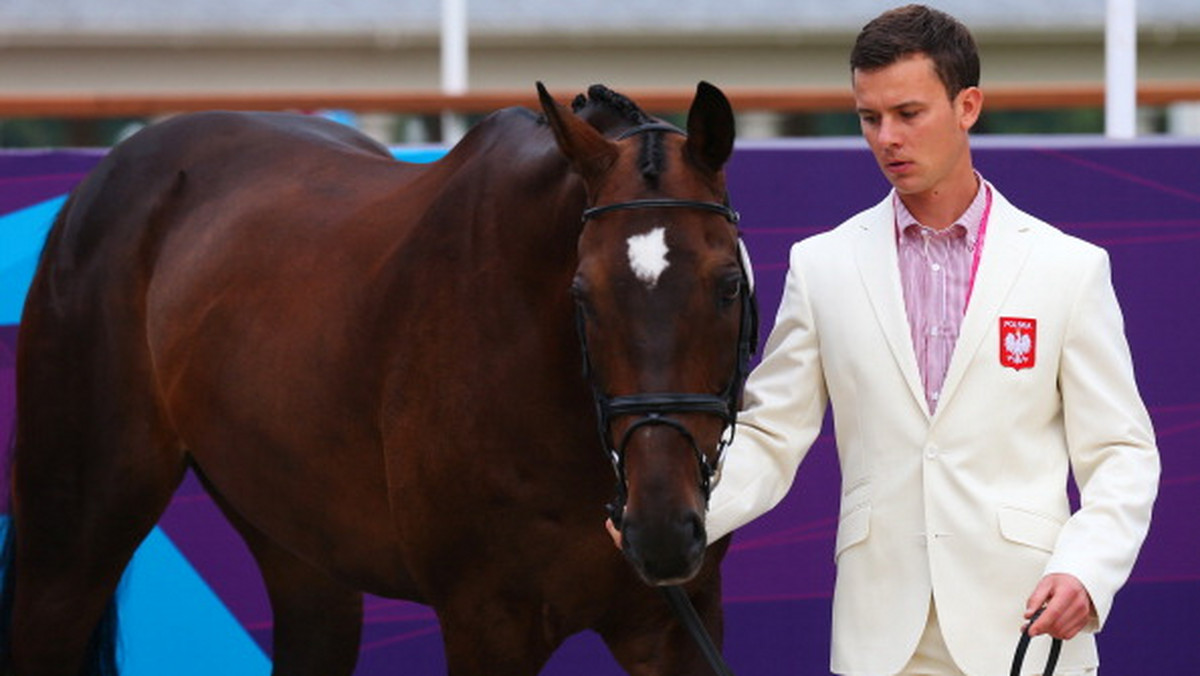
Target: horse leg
<point>92,473</point>
<point>482,637</point>
<point>317,620</point>
<point>647,639</point>
<point>94,463</point>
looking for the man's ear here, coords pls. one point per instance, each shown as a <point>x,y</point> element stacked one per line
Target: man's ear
<point>968,105</point>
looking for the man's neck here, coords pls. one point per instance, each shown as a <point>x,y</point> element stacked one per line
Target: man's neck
<point>940,207</point>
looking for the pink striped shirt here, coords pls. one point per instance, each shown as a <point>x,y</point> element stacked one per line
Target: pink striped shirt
<point>935,271</point>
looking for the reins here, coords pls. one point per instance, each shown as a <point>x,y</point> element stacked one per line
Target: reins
<point>1023,645</point>
<point>686,612</point>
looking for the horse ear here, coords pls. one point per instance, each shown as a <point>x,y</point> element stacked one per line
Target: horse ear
<point>589,152</point>
<point>710,128</point>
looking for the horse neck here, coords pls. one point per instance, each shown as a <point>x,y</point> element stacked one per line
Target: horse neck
<point>530,201</point>
<point>503,200</point>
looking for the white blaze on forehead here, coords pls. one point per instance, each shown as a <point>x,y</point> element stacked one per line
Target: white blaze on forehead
<point>648,255</point>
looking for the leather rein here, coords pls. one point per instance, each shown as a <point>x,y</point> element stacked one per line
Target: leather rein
<point>1023,645</point>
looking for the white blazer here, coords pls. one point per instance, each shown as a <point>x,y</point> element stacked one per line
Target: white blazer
<point>967,506</point>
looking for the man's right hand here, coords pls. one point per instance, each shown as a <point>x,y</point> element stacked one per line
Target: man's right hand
<point>612,531</point>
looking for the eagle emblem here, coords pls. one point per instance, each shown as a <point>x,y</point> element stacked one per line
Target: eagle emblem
<point>1018,342</point>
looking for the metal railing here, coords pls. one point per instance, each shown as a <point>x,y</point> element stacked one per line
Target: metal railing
<point>145,104</point>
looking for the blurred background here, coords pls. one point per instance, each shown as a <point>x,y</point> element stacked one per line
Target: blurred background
<point>87,73</point>
<point>77,76</point>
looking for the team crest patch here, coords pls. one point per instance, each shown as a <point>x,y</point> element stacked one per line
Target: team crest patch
<point>1018,342</point>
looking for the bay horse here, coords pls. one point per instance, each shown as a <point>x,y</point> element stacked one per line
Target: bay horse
<point>375,370</point>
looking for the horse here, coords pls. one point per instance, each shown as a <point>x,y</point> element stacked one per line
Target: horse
<point>414,381</point>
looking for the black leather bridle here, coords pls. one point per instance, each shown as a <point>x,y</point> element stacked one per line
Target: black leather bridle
<point>656,408</point>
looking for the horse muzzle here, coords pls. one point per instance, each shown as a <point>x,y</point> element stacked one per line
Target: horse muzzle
<point>665,551</point>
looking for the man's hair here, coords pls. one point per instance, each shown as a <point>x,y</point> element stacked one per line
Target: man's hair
<point>917,29</point>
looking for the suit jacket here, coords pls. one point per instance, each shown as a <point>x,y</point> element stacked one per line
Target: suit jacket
<point>967,506</point>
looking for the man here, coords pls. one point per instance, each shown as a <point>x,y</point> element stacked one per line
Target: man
<point>973,356</point>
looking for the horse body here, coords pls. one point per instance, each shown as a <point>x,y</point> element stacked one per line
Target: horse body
<point>374,369</point>
<point>356,287</point>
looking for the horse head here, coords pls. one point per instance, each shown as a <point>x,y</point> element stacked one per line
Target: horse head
<point>665,313</point>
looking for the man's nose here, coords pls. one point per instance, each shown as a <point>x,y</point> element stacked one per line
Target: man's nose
<point>889,131</point>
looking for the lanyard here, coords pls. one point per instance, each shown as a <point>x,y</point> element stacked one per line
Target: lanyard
<point>983,223</point>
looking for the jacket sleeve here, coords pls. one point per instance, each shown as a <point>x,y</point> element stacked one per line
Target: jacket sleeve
<point>1113,453</point>
<point>783,409</point>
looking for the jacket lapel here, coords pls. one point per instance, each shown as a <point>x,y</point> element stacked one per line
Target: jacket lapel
<point>879,268</point>
<point>1006,248</point>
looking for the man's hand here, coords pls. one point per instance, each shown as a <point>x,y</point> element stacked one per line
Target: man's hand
<point>1068,606</point>
<point>612,530</point>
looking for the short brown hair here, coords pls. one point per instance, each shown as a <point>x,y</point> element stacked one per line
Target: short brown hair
<point>917,29</point>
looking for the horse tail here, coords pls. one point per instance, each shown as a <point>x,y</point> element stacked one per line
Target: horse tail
<point>101,656</point>
<point>7,580</point>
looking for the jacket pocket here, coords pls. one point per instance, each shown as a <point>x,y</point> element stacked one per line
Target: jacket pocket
<point>853,527</point>
<point>1032,529</point>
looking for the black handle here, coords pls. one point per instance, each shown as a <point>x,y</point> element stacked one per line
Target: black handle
<point>1023,645</point>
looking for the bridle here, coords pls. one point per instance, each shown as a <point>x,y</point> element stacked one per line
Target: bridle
<point>656,408</point>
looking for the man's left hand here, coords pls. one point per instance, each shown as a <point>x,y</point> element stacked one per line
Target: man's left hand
<point>1068,606</point>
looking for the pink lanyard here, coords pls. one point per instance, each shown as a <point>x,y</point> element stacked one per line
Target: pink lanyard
<point>983,223</point>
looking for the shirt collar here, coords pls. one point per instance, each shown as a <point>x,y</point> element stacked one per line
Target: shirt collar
<point>970,220</point>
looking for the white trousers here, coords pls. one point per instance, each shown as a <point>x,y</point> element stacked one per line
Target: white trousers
<point>932,657</point>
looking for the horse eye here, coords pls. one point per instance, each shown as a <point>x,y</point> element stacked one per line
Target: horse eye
<point>579,294</point>
<point>579,287</point>
<point>731,290</point>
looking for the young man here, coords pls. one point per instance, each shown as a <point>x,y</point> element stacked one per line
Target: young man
<point>973,356</point>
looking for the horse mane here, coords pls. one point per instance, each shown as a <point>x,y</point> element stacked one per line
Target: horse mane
<point>612,110</point>
<point>619,104</point>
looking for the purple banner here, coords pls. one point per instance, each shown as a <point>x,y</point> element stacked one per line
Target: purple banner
<point>1141,201</point>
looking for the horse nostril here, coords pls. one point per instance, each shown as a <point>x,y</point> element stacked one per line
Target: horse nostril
<point>690,532</point>
<point>699,536</point>
<point>699,533</point>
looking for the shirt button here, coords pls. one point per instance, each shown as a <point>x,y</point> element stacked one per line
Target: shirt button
<point>931,452</point>
<point>936,267</point>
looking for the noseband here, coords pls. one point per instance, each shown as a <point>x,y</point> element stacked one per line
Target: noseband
<point>657,408</point>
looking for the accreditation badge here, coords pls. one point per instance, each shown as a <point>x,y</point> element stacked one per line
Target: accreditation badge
<point>1018,342</point>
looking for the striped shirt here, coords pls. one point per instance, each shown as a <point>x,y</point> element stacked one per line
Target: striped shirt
<point>935,272</point>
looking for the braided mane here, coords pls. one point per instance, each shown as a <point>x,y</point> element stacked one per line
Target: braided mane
<point>619,104</point>
<point>651,158</point>
<point>608,110</point>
